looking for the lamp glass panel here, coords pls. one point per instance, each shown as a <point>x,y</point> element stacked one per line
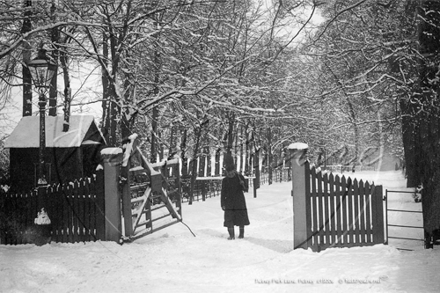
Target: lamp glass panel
<point>42,72</point>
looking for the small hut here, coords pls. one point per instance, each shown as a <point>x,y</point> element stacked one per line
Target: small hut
<point>68,155</point>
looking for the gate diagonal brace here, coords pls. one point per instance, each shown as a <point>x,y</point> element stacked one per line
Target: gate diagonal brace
<point>166,200</point>
<point>140,211</point>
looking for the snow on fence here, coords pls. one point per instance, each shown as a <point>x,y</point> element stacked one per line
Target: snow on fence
<point>343,212</point>
<point>75,209</point>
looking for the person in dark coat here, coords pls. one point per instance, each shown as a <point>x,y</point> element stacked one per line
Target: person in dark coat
<point>232,199</point>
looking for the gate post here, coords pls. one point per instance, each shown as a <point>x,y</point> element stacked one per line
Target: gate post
<point>378,219</point>
<point>301,206</point>
<point>112,160</point>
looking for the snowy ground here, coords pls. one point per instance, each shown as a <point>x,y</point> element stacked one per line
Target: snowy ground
<point>173,260</point>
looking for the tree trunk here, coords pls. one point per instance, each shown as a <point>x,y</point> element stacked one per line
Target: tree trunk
<point>127,120</point>
<point>354,124</point>
<point>110,122</point>
<point>67,91</point>
<point>429,40</point>
<point>409,125</point>
<point>27,78</point>
<point>410,145</point>
<point>242,151</point>
<point>257,167</point>
<point>173,144</point>
<point>193,164</point>
<point>230,141</point>
<point>247,169</point>
<point>106,103</point>
<point>217,171</point>
<point>154,134</point>
<point>183,153</point>
<point>154,119</point>
<point>113,107</point>
<point>269,153</point>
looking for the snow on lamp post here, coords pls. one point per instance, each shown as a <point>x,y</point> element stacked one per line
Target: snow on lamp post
<point>42,71</point>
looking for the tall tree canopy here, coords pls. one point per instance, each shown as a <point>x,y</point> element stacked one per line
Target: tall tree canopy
<point>382,56</point>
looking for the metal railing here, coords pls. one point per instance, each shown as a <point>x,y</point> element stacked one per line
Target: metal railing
<point>206,187</point>
<point>400,211</point>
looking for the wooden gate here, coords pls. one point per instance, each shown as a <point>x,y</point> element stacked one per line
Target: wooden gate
<point>342,212</point>
<point>151,196</point>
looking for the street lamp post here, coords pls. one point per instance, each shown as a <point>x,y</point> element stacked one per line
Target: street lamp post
<point>42,71</point>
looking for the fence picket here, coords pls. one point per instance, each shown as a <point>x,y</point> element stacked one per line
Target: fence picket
<point>67,231</point>
<point>320,208</point>
<point>32,204</point>
<point>313,198</point>
<point>27,220</point>
<point>55,220</point>
<point>338,210</point>
<point>66,215</point>
<point>332,209</point>
<point>308,205</point>
<point>48,204</point>
<point>61,237</point>
<point>92,208</point>
<point>87,208</point>
<point>24,223</point>
<point>86,220</point>
<point>72,209</point>
<point>16,234</point>
<point>76,211</point>
<point>60,201</point>
<point>23,205</point>
<point>344,226</point>
<point>81,211</point>
<point>367,194</point>
<point>326,199</point>
<point>356,212</point>
<point>5,205</point>
<point>19,224</point>
<point>9,206</point>
<point>362,210</point>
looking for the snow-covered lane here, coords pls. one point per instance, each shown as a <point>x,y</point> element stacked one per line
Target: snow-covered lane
<point>174,260</point>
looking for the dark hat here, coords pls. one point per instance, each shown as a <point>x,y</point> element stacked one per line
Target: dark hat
<point>229,163</point>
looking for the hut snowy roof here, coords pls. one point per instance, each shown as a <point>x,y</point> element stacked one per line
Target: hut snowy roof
<point>82,130</point>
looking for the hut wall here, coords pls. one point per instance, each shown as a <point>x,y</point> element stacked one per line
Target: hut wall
<point>62,165</point>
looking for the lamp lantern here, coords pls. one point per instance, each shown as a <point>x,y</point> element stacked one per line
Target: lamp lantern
<point>42,70</point>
